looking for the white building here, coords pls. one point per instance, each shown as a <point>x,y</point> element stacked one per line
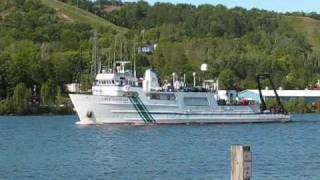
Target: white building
<point>73,88</point>
<point>285,95</point>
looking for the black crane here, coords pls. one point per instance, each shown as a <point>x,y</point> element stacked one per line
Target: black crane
<point>279,108</point>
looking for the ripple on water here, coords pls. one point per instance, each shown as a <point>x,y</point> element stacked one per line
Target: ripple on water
<point>53,147</point>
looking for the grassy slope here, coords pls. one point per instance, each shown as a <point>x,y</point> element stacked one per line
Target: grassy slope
<point>76,14</point>
<point>309,27</point>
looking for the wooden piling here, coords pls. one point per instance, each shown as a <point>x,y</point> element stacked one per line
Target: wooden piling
<point>241,162</point>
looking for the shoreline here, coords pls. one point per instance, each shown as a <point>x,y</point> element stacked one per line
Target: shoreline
<point>74,113</point>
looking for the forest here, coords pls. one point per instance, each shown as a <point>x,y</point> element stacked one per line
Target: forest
<point>42,49</point>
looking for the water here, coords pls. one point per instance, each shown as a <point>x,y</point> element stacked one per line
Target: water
<point>53,147</point>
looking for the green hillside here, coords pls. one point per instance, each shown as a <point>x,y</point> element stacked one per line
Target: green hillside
<point>43,46</point>
<point>73,13</point>
<point>309,27</point>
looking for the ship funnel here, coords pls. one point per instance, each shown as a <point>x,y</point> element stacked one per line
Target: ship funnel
<point>150,81</point>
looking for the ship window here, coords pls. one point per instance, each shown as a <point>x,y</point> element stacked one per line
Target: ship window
<point>159,96</point>
<point>196,101</point>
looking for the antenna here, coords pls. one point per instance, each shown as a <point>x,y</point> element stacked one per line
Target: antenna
<point>134,60</point>
<point>121,51</point>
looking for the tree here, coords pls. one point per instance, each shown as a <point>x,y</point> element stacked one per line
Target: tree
<point>48,93</point>
<point>85,82</point>
<point>21,98</point>
<point>228,80</point>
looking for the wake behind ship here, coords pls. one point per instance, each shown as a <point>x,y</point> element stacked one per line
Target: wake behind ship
<point>117,98</point>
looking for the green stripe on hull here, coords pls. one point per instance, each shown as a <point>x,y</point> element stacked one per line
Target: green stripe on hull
<point>142,110</point>
<point>145,110</point>
<point>137,108</point>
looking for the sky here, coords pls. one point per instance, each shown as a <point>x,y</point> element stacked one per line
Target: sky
<point>272,5</point>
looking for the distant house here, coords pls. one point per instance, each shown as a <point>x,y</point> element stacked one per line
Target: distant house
<point>110,8</point>
<point>149,48</point>
<point>285,95</point>
<point>73,88</point>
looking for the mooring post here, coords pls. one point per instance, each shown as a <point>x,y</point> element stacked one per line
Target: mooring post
<point>241,162</point>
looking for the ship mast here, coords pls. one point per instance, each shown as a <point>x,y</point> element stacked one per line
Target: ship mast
<point>96,64</point>
<point>114,55</point>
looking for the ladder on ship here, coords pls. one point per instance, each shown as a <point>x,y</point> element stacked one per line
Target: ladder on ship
<point>142,109</point>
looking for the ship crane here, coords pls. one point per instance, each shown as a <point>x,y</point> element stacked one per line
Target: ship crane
<point>263,106</point>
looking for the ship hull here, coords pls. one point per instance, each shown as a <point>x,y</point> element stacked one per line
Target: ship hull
<point>93,109</point>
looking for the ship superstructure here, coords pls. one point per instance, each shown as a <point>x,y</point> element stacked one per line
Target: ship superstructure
<point>119,97</point>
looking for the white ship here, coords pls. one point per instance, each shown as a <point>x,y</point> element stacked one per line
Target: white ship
<point>116,98</point>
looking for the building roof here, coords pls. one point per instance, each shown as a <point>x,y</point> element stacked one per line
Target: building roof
<point>286,93</point>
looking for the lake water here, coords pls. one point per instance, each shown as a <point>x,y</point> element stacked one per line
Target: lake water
<point>53,147</point>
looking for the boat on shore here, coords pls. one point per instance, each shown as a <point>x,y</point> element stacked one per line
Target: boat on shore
<point>117,98</point>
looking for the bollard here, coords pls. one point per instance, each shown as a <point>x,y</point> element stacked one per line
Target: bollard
<point>241,162</point>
